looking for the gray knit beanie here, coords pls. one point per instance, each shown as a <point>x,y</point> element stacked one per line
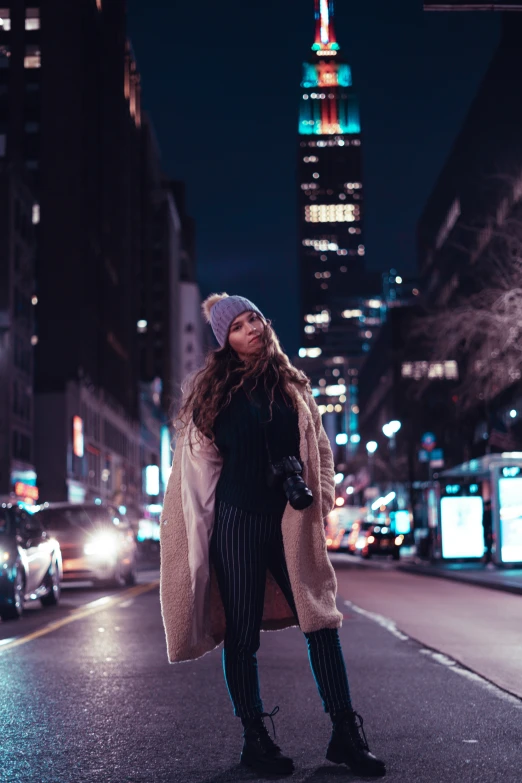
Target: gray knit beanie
<point>221,309</point>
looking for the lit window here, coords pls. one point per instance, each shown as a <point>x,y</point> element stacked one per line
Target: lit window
<point>451,370</point>
<point>32,19</point>
<point>33,58</point>
<point>36,214</point>
<point>99,5</point>
<point>5,19</point>
<point>433,370</point>
<point>332,213</point>
<point>311,353</point>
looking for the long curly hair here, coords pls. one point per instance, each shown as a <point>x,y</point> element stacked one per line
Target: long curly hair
<point>211,388</point>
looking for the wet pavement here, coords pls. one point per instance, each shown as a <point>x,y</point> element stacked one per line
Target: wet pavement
<point>93,700</point>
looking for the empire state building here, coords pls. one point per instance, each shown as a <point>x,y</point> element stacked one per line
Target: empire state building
<point>331,251</point>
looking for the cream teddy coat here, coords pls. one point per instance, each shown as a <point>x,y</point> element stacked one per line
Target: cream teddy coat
<point>191,606</point>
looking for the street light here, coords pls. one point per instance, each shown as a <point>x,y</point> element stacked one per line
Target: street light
<point>371,448</point>
<point>392,428</point>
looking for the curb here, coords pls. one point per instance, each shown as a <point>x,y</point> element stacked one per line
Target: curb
<point>505,587</point>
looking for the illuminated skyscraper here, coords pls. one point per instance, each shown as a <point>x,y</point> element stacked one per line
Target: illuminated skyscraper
<point>330,195</point>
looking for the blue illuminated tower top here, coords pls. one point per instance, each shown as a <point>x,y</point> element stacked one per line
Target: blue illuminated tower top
<point>328,106</point>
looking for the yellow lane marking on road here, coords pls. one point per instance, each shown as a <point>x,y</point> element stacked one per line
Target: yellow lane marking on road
<point>79,614</point>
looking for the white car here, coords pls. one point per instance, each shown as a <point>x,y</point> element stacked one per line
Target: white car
<point>97,543</point>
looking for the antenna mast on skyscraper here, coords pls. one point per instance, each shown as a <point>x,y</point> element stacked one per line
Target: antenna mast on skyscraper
<point>325,41</point>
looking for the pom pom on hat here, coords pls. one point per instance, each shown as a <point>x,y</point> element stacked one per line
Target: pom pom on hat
<point>209,303</point>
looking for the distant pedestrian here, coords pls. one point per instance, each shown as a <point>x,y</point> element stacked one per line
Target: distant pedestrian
<point>242,534</point>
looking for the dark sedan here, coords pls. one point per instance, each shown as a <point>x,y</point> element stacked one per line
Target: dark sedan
<point>368,538</point>
<point>30,562</point>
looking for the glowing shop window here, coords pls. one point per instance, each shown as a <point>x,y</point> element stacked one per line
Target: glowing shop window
<point>32,19</point>
<point>36,214</point>
<point>33,58</point>
<point>332,213</point>
<point>5,19</point>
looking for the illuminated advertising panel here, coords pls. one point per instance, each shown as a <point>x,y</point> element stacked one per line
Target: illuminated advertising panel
<point>78,444</point>
<point>462,531</point>
<point>510,507</point>
<point>152,480</point>
<point>401,522</point>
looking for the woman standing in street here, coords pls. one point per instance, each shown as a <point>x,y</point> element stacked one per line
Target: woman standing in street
<point>242,531</point>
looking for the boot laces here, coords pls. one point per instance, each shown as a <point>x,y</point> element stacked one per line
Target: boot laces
<point>262,731</point>
<point>358,724</point>
<point>355,725</point>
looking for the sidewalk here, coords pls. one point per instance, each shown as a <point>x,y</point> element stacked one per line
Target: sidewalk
<point>508,580</point>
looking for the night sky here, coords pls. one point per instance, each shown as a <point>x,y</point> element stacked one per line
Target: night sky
<point>221,83</point>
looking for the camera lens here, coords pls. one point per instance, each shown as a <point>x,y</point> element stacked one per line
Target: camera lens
<point>298,494</point>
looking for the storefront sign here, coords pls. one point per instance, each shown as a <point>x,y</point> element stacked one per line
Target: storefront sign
<point>78,446</point>
<point>26,491</point>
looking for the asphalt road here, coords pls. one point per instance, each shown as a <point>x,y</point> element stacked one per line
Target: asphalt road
<point>88,697</point>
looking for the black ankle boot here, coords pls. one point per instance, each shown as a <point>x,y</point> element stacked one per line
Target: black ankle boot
<point>348,745</point>
<point>259,750</point>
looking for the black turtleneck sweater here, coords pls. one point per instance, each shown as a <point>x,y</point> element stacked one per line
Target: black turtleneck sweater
<point>239,432</point>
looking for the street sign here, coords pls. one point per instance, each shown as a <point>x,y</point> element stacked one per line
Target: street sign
<point>437,458</point>
<point>428,441</point>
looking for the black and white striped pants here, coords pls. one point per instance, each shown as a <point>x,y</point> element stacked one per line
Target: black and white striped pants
<point>243,546</point>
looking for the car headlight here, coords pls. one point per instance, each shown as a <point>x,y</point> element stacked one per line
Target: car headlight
<point>102,544</point>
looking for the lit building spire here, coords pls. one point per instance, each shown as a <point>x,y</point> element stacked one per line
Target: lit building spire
<point>325,41</point>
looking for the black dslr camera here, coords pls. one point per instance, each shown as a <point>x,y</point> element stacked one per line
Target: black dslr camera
<point>288,473</point>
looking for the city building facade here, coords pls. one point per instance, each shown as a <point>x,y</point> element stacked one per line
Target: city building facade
<point>17,335</point>
<point>471,221</point>
<point>93,257</point>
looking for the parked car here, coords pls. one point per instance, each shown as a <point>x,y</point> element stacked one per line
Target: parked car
<point>97,542</point>
<point>30,562</point>
<point>368,538</point>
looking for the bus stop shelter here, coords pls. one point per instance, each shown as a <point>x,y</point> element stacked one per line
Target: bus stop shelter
<point>462,513</point>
